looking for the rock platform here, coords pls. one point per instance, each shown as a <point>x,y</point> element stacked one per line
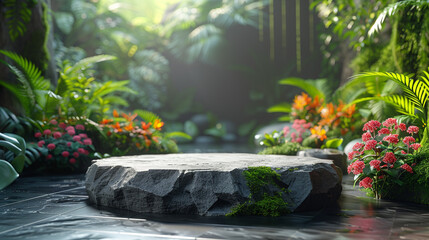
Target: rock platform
<point>207,184</point>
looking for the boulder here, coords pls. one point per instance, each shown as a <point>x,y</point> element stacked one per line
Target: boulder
<point>207,184</point>
<point>338,157</point>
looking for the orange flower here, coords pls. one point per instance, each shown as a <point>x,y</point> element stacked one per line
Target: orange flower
<point>328,111</point>
<point>129,127</point>
<point>145,126</point>
<point>106,121</point>
<point>350,111</point>
<point>158,124</point>
<point>115,113</point>
<point>301,101</point>
<point>129,117</point>
<point>138,145</point>
<point>148,142</point>
<point>315,104</point>
<point>318,132</point>
<point>117,127</point>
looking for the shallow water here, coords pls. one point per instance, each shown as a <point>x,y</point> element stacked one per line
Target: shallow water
<point>57,208</point>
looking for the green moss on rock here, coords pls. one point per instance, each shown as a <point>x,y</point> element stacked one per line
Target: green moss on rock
<point>289,148</point>
<point>261,202</point>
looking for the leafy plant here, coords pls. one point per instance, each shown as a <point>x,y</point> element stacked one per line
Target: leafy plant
<point>127,136</point>
<point>33,91</point>
<point>288,148</point>
<point>412,103</point>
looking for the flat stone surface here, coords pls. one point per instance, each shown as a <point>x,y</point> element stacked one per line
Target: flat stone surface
<point>206,184</point>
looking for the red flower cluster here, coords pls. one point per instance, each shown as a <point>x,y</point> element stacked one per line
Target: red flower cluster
<point>382,151</point>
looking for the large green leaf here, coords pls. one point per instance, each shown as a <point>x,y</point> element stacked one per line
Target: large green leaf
<point>312,90</point>
<point>178,135</point>
<point>7,174</point>
<point>147,116</point>
<point>86,63</point>
<point>281,107</point>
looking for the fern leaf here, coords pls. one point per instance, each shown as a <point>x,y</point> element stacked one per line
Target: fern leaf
<point>310,88</point>
<point>147,116</point>
<point>17,15</point>
<point>391,10</point>
<point>281,107</point>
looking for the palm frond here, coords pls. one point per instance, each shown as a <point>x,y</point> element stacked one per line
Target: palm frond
<point>403,105</point>
<point>392,9</point>
<point>306,85</point>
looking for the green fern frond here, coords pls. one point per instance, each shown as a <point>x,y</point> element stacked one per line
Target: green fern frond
<point>17,16</point>
<point>392,9</point>
<point>306,85</point>
<point>147,116</point>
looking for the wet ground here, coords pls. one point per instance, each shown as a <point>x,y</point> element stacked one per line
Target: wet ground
<point>56,207</point>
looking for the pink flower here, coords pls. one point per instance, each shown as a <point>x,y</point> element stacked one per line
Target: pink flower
<point>51,146</point>
<point>299,140</point>
<point>366,183</point>
<point>69,128</point>
<point>80,127</point>
<point>83,135</point>
<point>49,156</point>
<point>286,131</point>
<point>69,144</point>
<point>375,164</point>
<point>41,143</point>
<point>357,167</point>
<point>392,138</point>
<point>383,131</point>
<point>408,140</point>
<point>390,122</point>
<point>65,154</point>
<point>53,122</point>
<point>62,125</point>
<point>76,154</point>
<point>389,157</point>
<point>403,152</point>
<point>37,134</point>
<point>358,146</point>
<point>415,146</point>
<point>76,138</point>
<point>402,127</point>
<point>81,150</point>
<point>87,141</point>
<point>370,144</point>
<point>366,136</point>
<point>86,152</point>
<point>72,160</point>
<point>71,132</point>
<point>371,125</point>
<point>407,168</point>
<point>412,129</point>
<point>47,132</point>
<point>57,135</point>
<point>352,154</point>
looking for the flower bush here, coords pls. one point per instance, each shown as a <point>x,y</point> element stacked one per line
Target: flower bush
<point>384,155</point>
<point>126,135</point>
<point>69,149</point>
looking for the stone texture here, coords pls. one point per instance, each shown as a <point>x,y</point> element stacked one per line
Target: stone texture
<point>338,157</point>
<point>206,184</point>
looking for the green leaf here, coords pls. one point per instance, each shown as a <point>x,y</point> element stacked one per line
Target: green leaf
<point>334,143</point>
<point>7,174</point>
<point>178,135</point>
<point>281,107</point>
<point>147,116</point>
<point>19,162</point>
<point>191,128</point>
<point>311,89</point>
<point>85,63</point>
